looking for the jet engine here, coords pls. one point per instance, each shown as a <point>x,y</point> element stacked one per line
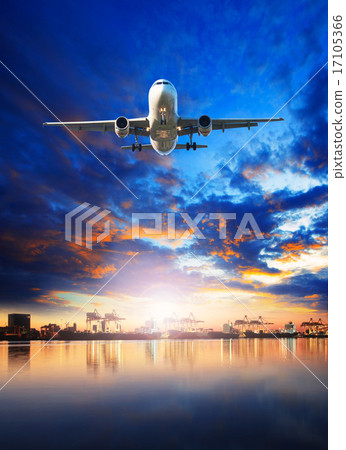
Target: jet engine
<point>204,125</point>
<point>122,127</point>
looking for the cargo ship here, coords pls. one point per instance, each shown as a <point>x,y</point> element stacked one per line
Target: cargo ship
<point>267,334</point>
<point>288,332</point>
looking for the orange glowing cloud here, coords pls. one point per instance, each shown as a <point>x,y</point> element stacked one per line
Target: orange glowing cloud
<point>261,171</point>
<point>101,271</point>
<point>126,204</point>
<point>293,250</point>
<point>253,271</point>
<point>53,300</point>
<point>226,253</point>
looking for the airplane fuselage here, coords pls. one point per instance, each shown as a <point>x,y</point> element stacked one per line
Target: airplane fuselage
<point>163,116</point>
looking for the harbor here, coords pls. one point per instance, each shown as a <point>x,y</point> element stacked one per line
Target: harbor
<point>108,326</point>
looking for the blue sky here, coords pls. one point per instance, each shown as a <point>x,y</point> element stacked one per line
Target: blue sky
<point>90,61</point>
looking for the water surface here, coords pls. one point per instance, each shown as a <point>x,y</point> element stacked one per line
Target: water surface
<point>208,394</point>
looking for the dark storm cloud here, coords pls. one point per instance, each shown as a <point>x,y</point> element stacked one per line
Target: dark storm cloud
<point>302,286</point>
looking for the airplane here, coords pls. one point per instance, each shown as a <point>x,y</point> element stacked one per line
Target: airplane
<point>163,125</point>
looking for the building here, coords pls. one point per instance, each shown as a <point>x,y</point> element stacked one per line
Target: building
<point>72,329</point>
<point>150,327</point>
<point>19,322</point>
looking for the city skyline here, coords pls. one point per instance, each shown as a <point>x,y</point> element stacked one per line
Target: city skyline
<point>161,322</point>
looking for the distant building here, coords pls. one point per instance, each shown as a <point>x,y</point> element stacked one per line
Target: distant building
<point>150,327</point>
<point>72,329</point>
<point>19,322</point>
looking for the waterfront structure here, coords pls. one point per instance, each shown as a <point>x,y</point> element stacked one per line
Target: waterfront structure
<point>48,331</point>
<point>185,324</point>
<point>150,327</point>
<point>313,328</point>
<point>111,322</point>
<point>254,325</point>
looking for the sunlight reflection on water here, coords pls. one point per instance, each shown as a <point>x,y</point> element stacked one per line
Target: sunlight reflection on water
<point>203,394</point>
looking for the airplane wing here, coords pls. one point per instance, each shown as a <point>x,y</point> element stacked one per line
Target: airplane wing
<point>190,125</point>
<point>138,126</point>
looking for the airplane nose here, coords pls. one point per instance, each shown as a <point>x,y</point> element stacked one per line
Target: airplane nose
<point>163,93</point>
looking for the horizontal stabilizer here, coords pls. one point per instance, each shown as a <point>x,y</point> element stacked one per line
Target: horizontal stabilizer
<point>144,147</point>
<point>150,147</point>
<point>183,146</point>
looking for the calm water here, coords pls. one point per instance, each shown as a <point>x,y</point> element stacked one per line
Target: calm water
<point>210,394</point>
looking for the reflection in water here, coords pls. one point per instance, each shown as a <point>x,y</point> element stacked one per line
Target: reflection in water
<point>202,394</point>
<point>18,354</point>
<point>103,354</point>
<point>289,347</point>
<point>188,353</point>
<point>151,350</point>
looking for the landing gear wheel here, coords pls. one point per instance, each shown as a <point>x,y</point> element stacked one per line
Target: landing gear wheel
<point>194,146</point>
<point>187,146</point>
<point>139,147</point>
<point>133,147</point>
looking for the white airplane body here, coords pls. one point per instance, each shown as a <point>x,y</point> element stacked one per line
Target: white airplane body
<point>163,125</point>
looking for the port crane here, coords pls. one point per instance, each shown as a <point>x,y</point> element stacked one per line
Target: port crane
<point>253,324</point>
<point>103,323</point>
<point>313,327</point>
<point>184,324</point>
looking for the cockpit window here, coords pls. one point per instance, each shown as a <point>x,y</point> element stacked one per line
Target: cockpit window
<point>161,82</point>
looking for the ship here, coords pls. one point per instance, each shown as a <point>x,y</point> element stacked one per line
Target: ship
<point>288,332</point>
<point>270,334</point>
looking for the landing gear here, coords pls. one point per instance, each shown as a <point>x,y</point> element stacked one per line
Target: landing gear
<point>192,145</point>
<point>139,146</point>
<point>136,145</point>
<point>163,116</point>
